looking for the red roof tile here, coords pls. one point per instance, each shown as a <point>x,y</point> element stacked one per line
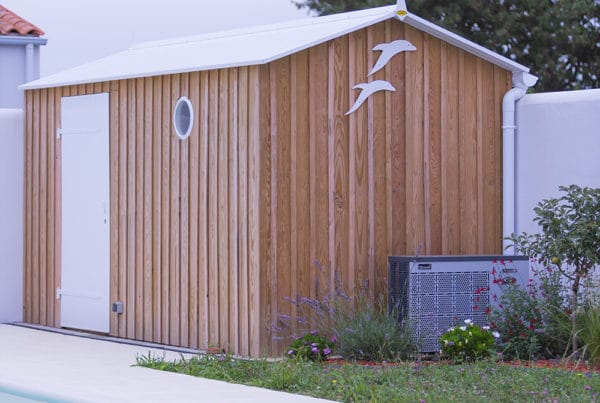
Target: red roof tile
<point>12,24</point>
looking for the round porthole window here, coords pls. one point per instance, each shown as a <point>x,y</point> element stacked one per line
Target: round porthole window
<point>183,118</point>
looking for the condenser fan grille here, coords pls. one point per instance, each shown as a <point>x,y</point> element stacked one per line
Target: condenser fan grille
<point>439,300</point>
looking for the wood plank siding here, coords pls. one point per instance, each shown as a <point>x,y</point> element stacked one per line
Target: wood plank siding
<point>276,193</point>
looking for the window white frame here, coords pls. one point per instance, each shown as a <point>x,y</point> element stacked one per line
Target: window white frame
<point>183,118</point>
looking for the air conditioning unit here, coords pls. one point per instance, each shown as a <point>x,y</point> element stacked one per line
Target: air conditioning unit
<point>436,292</point>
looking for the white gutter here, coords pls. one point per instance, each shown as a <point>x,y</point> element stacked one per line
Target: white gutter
<point>16,40</point>
<point>521,82</point>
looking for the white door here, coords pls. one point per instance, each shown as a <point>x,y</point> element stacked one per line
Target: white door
<point>85,277</point>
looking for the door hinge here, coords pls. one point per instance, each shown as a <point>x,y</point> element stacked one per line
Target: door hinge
<point>58,132</point>
<point>58,293</point>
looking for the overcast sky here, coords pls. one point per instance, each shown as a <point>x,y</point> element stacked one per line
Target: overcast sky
<point>79,31</point>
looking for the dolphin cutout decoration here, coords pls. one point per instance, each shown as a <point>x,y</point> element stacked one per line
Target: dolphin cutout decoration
<point>389,50</point>
<point>367,90</point>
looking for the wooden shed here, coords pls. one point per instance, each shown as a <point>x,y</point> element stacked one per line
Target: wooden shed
<point>196,238</point>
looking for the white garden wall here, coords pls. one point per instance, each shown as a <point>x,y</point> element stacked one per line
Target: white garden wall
<point>557,143</point>
<point>11,215</point>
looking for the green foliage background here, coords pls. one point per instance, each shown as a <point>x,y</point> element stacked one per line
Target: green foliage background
<point>558,39</point>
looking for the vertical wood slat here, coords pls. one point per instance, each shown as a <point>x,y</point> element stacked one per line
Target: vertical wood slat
<point>223,206</point>
<point>378,155</point>
<point>43,205</point>
<point>280,192</point>
<point>233,245</point>
<point>175,222</point>
<point>184,197</point>
<point>243,219</point>
<point>434,160</point>
<point>287,322</point>
<point>193,247</point>
<point>468,153</point>
<point>266,236</point>
<point>213,175</point>
<point>122,214</point>
<point>28,210</point>
<point>255,235</point>
<point>166,210</point>
<point>157,208</point>
<point>300,182</point>
<point>361,137</point>
<point>146,236</point>
<point>450,192</point>
<point>397,157</point>
<point>203,256</point>
<point>130,212</point>
<point>113,89</point>
<point>414,152</point>
<point>319,166</point>
<point>35,210</point>
<point>338,99</point>
<point>51,205</point>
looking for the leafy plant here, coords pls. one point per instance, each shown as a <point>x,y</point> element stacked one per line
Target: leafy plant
<point>533,322</point>
<point>311,347</point>
<point>367,331</point>
<point>569,241</point>
<point>468,342</point>
<point>589,331</point>
<point>519,321</point>
<point>361,325</point>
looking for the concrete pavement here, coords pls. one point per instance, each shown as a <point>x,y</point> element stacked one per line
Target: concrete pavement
<point>71,368</point>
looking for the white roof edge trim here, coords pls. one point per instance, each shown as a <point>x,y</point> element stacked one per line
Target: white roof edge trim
<point>463,43</point>
<point>379,13</point>
<point>34,86</point>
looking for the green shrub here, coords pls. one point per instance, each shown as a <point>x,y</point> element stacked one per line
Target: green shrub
<point>533,322</point>
<point>365,330</point>
<point>468,342</point>
<point>310,347</point>
<point>589,332</point>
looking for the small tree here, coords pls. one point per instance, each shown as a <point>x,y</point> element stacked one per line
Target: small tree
<point>570,238</point>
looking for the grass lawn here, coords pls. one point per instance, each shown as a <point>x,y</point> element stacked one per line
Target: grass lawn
<point>410,382</point>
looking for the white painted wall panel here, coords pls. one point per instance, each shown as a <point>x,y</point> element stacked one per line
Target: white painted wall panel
<point>557,143</point>
<point>11,215</point>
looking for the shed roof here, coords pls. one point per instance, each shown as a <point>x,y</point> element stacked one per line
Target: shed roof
<point>247,46</point>
<point>12,24</point>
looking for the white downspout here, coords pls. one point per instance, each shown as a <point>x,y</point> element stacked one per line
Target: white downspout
<point>521,82</point>
<point>29,63</point>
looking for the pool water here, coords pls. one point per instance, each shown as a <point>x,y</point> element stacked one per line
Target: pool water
<point>14,396</point>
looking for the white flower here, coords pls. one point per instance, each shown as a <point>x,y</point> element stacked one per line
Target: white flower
<point>486,328</point>
<point>450,329</point>
<point>495,334</point>
<point>463,328</point>
<point>468,322</point>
